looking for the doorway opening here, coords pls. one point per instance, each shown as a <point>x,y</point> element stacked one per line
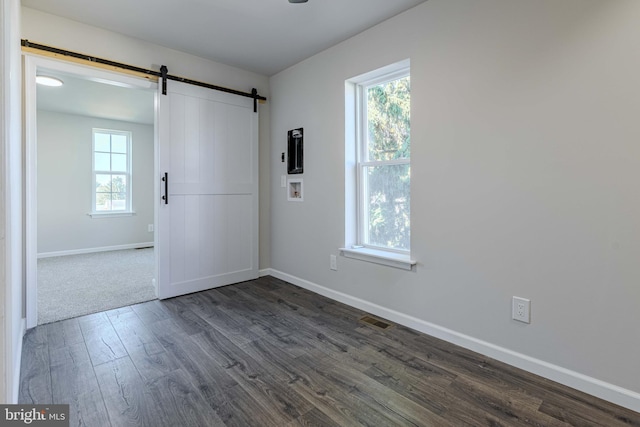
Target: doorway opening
<point>91,197</point>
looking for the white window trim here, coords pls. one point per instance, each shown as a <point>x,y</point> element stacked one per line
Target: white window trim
<point>114,214</point>
<point>354,232</point>
<point>384,257</point>
<point>129,208</point>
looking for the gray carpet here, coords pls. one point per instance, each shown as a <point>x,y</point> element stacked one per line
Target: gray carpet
<point>75,285</point>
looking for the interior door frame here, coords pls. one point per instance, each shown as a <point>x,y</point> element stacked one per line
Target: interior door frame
<point>31,64</point>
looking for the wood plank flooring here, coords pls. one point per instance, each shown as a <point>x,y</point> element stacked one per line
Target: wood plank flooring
<point>267,353</point>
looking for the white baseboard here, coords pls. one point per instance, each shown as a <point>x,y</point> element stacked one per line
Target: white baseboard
<point>93,250</point>
<point>265,272</point>
<point>593,386</point>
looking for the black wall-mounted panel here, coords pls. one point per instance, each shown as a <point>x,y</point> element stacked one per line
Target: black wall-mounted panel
<point>295,145</point>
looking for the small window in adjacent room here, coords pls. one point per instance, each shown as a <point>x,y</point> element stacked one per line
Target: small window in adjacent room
<point>379,137</point>
<point>111,172</point>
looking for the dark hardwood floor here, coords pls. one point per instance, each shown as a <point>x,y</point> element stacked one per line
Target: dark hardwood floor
<point>267,353</point>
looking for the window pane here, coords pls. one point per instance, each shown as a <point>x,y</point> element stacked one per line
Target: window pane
<point>388,120</point>
<point>103,183</point>
<point>119,162</point>
<point>102,142</point>
<point>119,202</point>
<point>119,143</point>
<point>103,202</point>
<point>119,184</point>
<point>102,162</point>
<point>111,168</point>
<point>386,205</point>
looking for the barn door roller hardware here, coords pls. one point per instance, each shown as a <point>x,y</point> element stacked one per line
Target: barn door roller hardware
<point>162,74</point>
<point>254,92</point>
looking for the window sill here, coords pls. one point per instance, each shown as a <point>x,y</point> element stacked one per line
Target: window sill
<point>377,256</point>
<point>110,214</point>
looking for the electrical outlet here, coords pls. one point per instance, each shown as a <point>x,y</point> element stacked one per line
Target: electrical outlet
<point>333,262</point>
<point>521,309</point>
<point>150,228</point>
<point>283,181</point>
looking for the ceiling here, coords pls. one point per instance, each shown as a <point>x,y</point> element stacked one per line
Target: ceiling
<point>86,97</point>
<point>264,36</point>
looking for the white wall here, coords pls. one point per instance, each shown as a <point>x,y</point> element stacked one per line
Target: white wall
<point>525,171</point>
<point>51,30</point>
<point>65,185</point>
<point>11,255</point>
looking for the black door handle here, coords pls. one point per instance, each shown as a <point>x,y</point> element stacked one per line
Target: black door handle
<point>165,178</point>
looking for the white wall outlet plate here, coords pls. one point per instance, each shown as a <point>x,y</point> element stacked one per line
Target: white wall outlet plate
<point>521,309</point>
<point>333,262</point>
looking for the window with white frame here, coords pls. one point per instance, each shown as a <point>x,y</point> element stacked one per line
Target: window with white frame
<point>383,160</point>
<point>111,171</point>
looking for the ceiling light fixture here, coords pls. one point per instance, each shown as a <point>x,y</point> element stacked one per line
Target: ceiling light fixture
<point>298,1</point>
<point>49,81</point>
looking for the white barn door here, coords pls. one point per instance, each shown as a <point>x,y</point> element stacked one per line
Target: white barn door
<point>207,234</point>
